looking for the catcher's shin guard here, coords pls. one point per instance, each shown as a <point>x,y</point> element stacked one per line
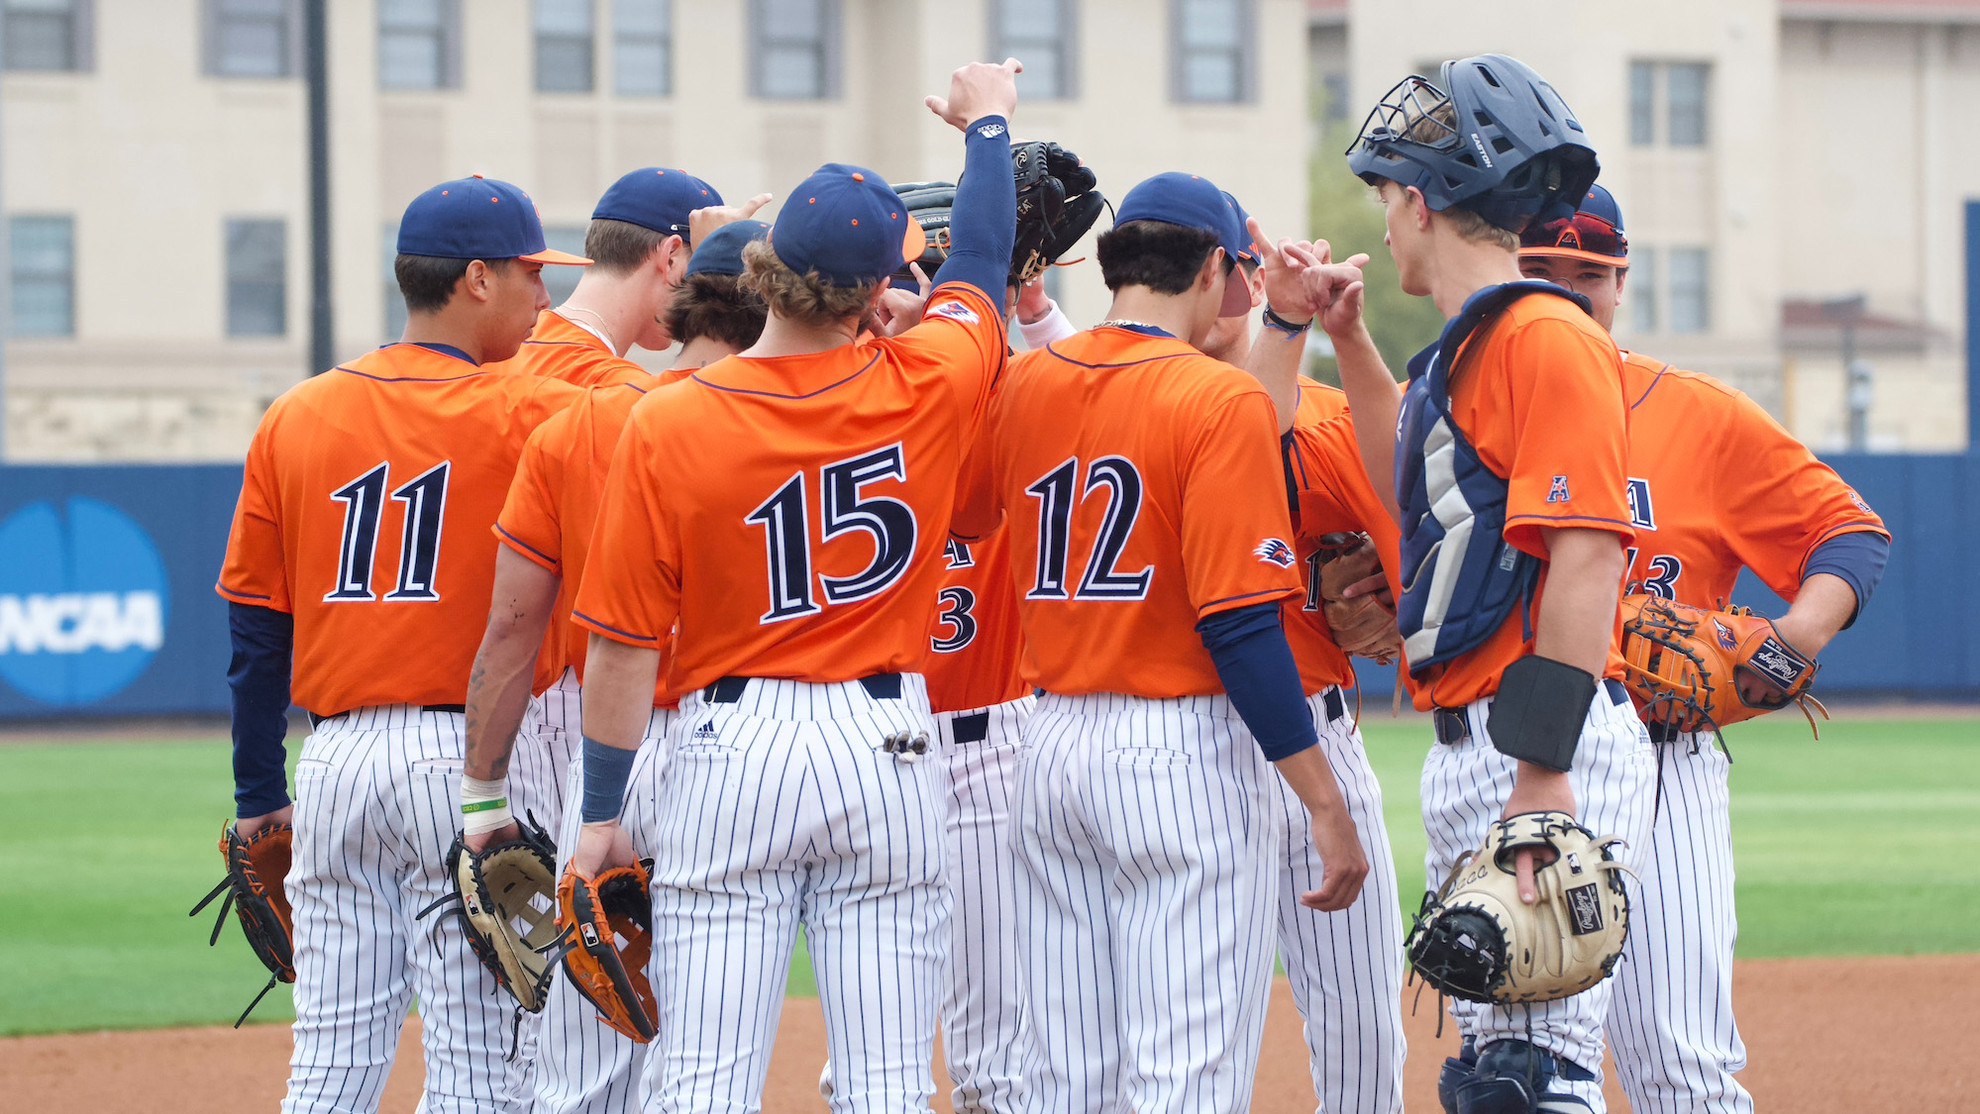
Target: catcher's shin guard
<point>1514,1077</point>
<point>1456,1072</point>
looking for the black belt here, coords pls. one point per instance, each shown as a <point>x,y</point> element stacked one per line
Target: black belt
<point>1662,733</point>
<point>1335,705</point>
<point>728,690</point>
<point>1454,727</point>
<point>316,720</point>
<point>972,728</point>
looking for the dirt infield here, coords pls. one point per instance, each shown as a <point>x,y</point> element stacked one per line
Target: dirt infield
<point>1853,1035</point>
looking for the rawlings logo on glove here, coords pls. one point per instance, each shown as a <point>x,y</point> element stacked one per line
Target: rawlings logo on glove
<point>1684,665</point>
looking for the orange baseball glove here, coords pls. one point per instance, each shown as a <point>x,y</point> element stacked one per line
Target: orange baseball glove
<point>256,868</point>
<point>1684,664</point>
<point>607,925</point>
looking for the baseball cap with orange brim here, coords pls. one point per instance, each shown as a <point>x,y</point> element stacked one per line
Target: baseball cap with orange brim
<point>1594,234</point>
<point>846,225</point>
<point>478,218</point>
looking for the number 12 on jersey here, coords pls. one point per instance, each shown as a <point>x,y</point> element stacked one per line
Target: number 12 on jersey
<point>786,521</point>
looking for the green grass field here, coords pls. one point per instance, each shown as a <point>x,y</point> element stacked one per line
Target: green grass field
<point>1866,842</point>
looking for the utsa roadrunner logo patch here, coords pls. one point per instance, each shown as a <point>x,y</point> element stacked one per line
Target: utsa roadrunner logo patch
<point>1272,551</point>
<point>955,311</point>
<point>1725,636</point>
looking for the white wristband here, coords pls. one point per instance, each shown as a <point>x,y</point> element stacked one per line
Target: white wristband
<point>484,805</point>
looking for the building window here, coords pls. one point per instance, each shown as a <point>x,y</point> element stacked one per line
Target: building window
<point>257,278</point>
<point>560,281</point>
<point>794,49</point>
<point>251,38</point>
<point>1334,91</point>
<point>1211,45</point>
<point>395,302</point>
<point>1038,33</point>
<point>418,44</point>
<point>44,275</point>
<point>1691,290</point>
<point>1640,290</point>
<point>1669,103</point>
<point>642,48</point>
<point>563,46</point>
<point>47,34</point>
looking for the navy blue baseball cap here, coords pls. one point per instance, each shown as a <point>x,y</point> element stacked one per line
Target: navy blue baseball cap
<point>1193,202</point>
<point>1243,218</point>
<point>658,198</point>
<point>848,225</point>
<point>721,252</point>
<point>477,218</point>
<point>1594,233</point>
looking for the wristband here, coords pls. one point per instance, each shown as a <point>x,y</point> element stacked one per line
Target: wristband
<point>1280,324</point>
<point>484,805</point>
<point>1539,710</point>
<point>606,771</point>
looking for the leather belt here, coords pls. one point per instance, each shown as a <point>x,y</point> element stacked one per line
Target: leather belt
<point>316,720</point>
<point>728,690</point>
<point>1663,733</point>
<point>1454,727</point>
<point>972,728</point>
<point>1335,705</point>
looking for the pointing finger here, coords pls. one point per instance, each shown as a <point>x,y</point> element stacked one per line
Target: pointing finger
<point>749,208</point>
<point>920,277</point>
<point>1358,259</point>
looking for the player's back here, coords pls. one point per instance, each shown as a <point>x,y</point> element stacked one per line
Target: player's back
<point>1716,484</point>
<point>368,497</point>
<point>973,659</point>
<point>797,505</point>
<point>561,348</point>
<point>1140,486</point>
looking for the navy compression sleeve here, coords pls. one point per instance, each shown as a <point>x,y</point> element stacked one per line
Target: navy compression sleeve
<point>983,221</point>
<point>1254,661</point>
<point>258,674</point>
<point>1858,558</point>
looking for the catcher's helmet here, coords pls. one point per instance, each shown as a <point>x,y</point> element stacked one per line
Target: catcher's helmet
<point>1495,139</point>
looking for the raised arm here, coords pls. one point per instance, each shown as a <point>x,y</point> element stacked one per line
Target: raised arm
<point>983,222</point>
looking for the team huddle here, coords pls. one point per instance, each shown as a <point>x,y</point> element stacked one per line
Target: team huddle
<point>1019,682</point>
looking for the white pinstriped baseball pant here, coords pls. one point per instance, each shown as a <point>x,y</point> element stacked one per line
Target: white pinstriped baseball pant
<point>1147,871</point>
<point>1345,967</point>
<point>377,805</point>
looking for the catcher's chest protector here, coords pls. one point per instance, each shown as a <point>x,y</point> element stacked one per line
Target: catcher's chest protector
<point>1460,578</point>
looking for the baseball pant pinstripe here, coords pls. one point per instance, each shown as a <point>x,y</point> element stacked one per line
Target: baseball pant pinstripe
<point>1345,968</point>
<point>780,809</point>
<point>1671,1021</point>
<point>1465,787</point>
<point>584,1066</point>
<point>553,726</point>
<point>1147,869</point>
<point>983,1009</point>
<point>377,805</point>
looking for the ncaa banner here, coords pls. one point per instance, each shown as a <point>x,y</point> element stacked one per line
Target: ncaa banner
<point>106,589</point>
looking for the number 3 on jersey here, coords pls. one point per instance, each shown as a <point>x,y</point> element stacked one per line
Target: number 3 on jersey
<point>425,497</point>
<point>786,521</point>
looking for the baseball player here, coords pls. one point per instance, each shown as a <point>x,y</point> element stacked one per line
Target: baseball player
<point>1509,466</point>
<point>1715,484</point>
<point>1344,967</point>
<point>545,531</point>
<point>1150,614</point>
<point>360,561</point>
<point>783,512</point>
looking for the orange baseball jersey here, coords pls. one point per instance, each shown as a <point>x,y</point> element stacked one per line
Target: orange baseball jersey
<point>973,658</point>
<point>1538,392</point>
<point>1141,488</point>
<point>365,513</point>
<point>786,516</point>
<point>1326,477</point>
<point>560,348</point>
<point>553,504</point>
<point>1715,483</point>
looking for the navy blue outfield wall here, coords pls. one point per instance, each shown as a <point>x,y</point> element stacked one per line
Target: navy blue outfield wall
<point>107,604</point>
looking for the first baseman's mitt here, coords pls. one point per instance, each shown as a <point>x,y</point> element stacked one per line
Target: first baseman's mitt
<point>593,916</point>
<point>505,897</point>
<point>1684,664</point>
<point>1477,941</point>
<point>1057,203</point>
<point>1363,625</point>
<point>256,868</point>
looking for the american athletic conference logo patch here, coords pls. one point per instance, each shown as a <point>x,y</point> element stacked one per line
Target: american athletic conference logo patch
<point>1272,551</point>
<point>955,311</point>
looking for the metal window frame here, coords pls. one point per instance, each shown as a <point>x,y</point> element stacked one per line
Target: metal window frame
<point>537,37</point>
<point>1704,102</point>
<point>829,46</point>
<point>666,40</point>
<point>1703,253</point>
<point>1067,45</point>
<point>449,30</point>
<point>1247,56</point>
<point>292,42</point>
<point>1655,71</point>
<point>227,225</point>
<point>82,38</point>
<point>14,274</point>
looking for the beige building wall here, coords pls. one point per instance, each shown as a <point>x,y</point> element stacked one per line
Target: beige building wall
<point>151,157</point>
<point>1719,196</point>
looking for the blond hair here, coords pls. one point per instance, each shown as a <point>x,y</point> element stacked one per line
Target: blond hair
<point>804,298</point>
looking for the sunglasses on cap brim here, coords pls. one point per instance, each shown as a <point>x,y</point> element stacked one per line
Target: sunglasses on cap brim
<point>1582,236</point>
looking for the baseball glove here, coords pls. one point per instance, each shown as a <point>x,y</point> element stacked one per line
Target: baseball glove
<point>1684,664</point>
<point>1474,939</point>
<point>256,868</point>
<point>593,916</point>
<point>505,897</point>
<point>1057,203</point>
<point>1363,625</point>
